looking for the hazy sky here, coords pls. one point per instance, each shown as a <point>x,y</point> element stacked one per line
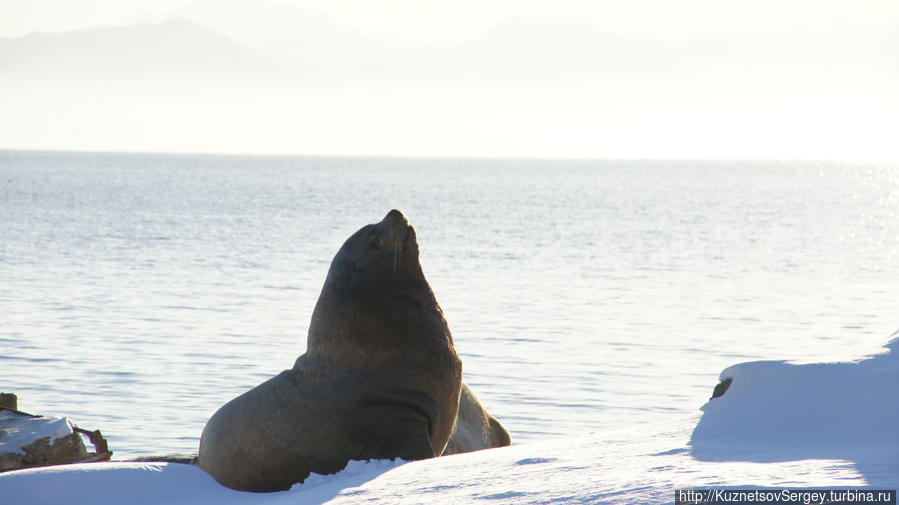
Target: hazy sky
<point>429,19</point>
<point>421,19</point>
<point>637,78</point>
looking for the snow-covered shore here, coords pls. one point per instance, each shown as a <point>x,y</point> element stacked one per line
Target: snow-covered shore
<point>779,425</point>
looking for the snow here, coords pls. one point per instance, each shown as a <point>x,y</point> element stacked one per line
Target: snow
<point>18,431</point>
<point>779,425</point>
<point>778,411</point>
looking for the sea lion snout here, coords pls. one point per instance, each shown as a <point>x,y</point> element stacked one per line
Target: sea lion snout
<point>397,222</point>
<point>399,228</point>
<point>395,214</point>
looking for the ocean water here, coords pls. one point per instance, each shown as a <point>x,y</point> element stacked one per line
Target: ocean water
<point>138,293</point>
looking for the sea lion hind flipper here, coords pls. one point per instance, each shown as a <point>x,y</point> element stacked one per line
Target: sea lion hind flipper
<point>499,436</point>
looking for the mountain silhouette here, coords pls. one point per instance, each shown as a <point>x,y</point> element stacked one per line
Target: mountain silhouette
<point>169,51</point>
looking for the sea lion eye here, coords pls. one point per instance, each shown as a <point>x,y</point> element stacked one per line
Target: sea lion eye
<point>375,242</point>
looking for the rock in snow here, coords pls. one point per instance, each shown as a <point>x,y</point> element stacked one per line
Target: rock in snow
<point>34,441</point>
<point>27,440</point>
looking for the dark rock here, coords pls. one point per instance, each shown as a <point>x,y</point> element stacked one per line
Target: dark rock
<point>721,388</point>
<point>9,401</point>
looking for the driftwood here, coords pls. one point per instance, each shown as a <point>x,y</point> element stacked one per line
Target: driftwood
<point>45,450</point>
<point>184,459</point>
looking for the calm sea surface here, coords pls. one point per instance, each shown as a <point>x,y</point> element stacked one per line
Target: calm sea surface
<point>138,293</point>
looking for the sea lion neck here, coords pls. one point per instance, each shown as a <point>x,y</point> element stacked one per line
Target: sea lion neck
<point>373,319</point>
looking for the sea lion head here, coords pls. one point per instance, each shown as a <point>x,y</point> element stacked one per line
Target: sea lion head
<point>383,251</point>
<point>376,300</point>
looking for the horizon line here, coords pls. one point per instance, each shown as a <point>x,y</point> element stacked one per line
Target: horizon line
<point>461,157</point>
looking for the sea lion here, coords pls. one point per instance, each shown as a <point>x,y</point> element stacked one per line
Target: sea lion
<point>475,429</point>
<point>380,378</point>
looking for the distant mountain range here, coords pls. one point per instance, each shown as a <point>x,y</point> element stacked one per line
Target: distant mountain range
<point>257,76</point>
<point>239,41</point>
<point>173,50</point>
<point>306,46</point>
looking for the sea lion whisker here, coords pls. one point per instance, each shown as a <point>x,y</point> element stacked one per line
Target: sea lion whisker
<point>396,254</point>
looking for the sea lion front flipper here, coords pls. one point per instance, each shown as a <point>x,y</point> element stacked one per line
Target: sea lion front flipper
<point>412,449</point>
<point>409,448</point>
<point>394,430</point>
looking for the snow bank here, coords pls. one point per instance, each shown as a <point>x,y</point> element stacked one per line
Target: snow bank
<point>641,466</point>
<point>779,424</point>
<point>777,411</point>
